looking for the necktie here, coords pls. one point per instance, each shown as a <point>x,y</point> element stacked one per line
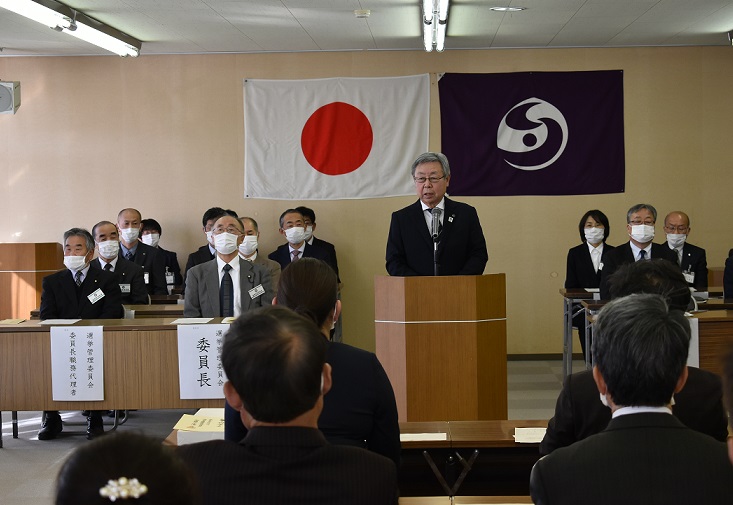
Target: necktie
<point>108,267</point>
<point>642,254</point>
<point>679,257</point>
<point>77,278</point>
<point>296,255</point>
<point>226,293</point>
<point>129,256</point>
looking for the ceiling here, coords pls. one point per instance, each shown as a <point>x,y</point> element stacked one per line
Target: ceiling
<point>245,26</point>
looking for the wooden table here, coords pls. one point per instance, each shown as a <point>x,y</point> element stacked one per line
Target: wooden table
<point>159,310</point>
<point>477,458</point>
<point>140,367</point>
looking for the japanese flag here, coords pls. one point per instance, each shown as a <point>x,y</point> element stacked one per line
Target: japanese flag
<point>340,138</point>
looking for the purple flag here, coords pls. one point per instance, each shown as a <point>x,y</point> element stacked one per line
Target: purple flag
<point>534,133</point>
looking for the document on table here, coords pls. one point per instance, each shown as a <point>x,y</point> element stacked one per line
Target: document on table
<point>206,424</point>
<point>192,320</point>
<point>422,437</point>
<point>11,321</point>
<point>529,435</point>
<point>59,322</point>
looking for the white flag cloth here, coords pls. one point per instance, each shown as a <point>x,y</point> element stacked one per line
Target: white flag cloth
<point>341,138</point>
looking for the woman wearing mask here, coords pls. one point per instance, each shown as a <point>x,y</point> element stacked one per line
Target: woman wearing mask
<point>585,261</point>
<point>360,408</point>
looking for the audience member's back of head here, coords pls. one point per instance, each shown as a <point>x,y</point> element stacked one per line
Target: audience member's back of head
<point>274,359</point>
<point>640,348</point>
<point>86,474</point>
<point>728,389</point>
<point>309,287</point>
<point>655,276</point>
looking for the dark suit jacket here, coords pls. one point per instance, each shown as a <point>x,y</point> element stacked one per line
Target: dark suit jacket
<point>289,465</point>
<point>331,251</point>
<point>580,272</point>
<point>461,250</point>
<point>359,410</point>
<point>622,255</point>
<point>153,263</point>
<point>128,272</point>
<point>202,293</point>
<point>728,277</point>
<point>644,459</point>
<point>282,254</point>
<point>171,262</point>
<point>579,412</point>
<point>694,260</point>
<point>202,255</point>
<point>60,300</point>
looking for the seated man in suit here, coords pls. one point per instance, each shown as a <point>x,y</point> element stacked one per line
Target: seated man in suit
<point>229,285</point>
<point>309,219</point>
<point>248,250</point>
<point>206,252</point>
<point>150,235</point>
<point>579,413</point>
<point>645,455</point>
<point>292,227</point>
<point>129,224</point>
<point>640,221</point>
<point>690,258</point>
<point>435,233</point>
<point>129,275</point>
<point>80,292</point>
<point>275,362</point>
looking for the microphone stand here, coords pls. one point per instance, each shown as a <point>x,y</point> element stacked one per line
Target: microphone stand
<point>435,225</point>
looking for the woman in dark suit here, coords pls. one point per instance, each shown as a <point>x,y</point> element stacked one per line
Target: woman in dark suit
<point>585,261</point>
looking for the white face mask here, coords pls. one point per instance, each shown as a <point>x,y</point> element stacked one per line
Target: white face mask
<point>295,235</point>
<point>130,235</point>
<point>210,237</point>
<point>151,239</point>
<point>308,232</point>
<point>249,245</point>
<point>594,235</point>
<point>109,249</point>
<point>642,233</point>
<point>225,243</point>
<point>75,262</point>
<point>676,239</point>
<point>604,400</point>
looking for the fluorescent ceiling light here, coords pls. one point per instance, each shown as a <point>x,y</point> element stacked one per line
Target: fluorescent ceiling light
<point>60,17</point>
<point>508,9</point>
<point>435,23</point>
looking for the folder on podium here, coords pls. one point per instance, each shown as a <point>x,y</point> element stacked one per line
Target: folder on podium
<point>442,342</point>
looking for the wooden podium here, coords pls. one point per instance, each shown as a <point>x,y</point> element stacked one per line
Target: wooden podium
<point>442,342</point>
<point>22,269</point>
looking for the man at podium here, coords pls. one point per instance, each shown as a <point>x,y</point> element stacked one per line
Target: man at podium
<point>435,235</point>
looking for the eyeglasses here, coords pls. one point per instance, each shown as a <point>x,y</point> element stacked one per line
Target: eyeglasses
<point>648,222</point>
<point>229,229</point>
<point>433,180</point>
<point>681,228</point>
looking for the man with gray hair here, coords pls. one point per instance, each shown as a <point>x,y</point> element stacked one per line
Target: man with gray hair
<point>435,235</point>
<point>640,221</point>
<point>645,455</point>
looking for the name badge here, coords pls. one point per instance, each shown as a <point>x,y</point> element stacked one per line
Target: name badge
<point>169,278</point>
<point>689,277</point>
<point>125,288</point>
<point>147,278</point>
<point>256,291</point>
<point>96,296</point>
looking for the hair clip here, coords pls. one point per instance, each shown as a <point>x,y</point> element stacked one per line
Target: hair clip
<point>123,488</point>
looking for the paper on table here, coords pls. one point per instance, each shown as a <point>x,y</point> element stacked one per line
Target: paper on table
<point>192,320</point>
<point>60,321</point>
<point>422,437</point>
<point>529,435</point>
<point>228,320</point>
<point>211,412</point>
<point>187,422</point>
<point>593,290</point>
<point>11,321</point>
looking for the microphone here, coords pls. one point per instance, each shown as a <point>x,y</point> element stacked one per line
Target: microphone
<point>435,229</point>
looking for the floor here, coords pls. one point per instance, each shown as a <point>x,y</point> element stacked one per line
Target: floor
<point>28,467</point>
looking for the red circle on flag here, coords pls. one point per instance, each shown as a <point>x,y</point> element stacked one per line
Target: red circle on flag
<point>337,139</point>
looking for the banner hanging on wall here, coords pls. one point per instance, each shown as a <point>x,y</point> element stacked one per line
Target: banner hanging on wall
<point>534,133</point>
<point>341,138</point>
